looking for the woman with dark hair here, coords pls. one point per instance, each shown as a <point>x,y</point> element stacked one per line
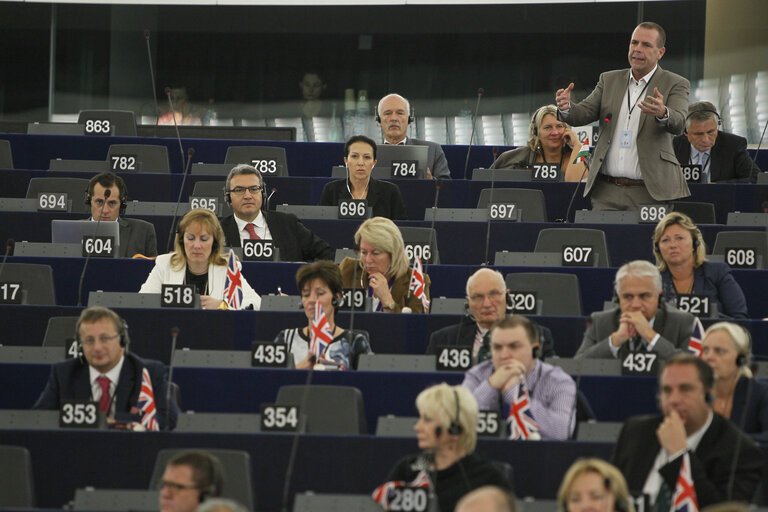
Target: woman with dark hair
<point>360,158</point>
<point>320,282</point>
<point>197,260</point>
<point>681,258</point>
<point>551,141</point>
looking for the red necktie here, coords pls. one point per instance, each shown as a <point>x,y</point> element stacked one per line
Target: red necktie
<point>252,231</point>
<point>104,402</point>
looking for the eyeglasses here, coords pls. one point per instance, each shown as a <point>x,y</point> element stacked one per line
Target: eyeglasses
<point>238,191</point>
<point>174,487</point>
<point>102,339</point>
<point>112,203</point>
<point>479,297</point>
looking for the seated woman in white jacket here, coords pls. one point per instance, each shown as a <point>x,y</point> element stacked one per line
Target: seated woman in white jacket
<point>197,260</point>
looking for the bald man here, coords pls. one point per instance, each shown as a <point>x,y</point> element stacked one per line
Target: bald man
<point>487,499</point>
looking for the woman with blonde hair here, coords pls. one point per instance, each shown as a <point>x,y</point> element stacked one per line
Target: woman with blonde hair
<point>383,268</point>
<point>594,485</point>
<point>550,141</point>
<point>197,260</point>
<point>737,395</point>
<point>681,258</point>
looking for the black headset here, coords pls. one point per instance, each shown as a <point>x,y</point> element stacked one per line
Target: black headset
<point>745,359</point>
<point>122,331</point>
<point>704,110</point>
<point>216,475</point>
<point>455,428</point>
<point>533,128</point>
<point>411,115</point>
<point>121,189</point>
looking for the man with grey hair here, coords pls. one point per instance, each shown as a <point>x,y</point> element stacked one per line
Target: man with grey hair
<point>723,156</point>
<point>244,192</point>
<point>393,113</point>
<point>486,304</point>
<point>487,499</point>
<point>641,322</point>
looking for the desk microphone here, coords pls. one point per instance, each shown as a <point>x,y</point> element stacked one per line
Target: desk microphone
<point>742,422</point>
<point>175,125</point>
<point>8,248</point>
<point>480,92</point>
<point>271,193</point>
<point>760,143</point>
<point>152,77</point>
<point>174,335</point>
<point>438,184</point>
<point>607,120</point>
<point>572,418</point>
<point>107,193</point>
<point>487,261</point>
<point>190,154</point>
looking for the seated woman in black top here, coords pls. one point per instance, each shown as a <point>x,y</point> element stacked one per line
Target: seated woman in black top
<point>726,349</point>
<point>320,282</point>
<point>382,196</point>
<point>447,434</point>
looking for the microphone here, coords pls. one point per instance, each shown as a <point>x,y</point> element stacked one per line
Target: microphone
<point>175,125</point>
<point>190,154</point>
<point>742,422</point>
<point>438,184</point>
<point>152,77</point>
<point>572,418</point>
<point>107,193</point>
<point>174,335</point>
<point>352,298</point>
<point>480,92</point>
<point>271,193</point>
<point>487,261</point>
<point>607,120</point>
<point>8,248</point>
<point>760,143</point>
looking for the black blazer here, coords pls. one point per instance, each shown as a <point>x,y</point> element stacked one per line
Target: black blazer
<point>136,237</point>
<point>729,160</point>
<point>295,241</point>
<point>638,446</point>
<point>70,380</point>
<point>384,197</point>
<point>756,421</point>
<point>463,335</point>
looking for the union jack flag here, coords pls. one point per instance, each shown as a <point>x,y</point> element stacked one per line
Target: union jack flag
<point>233,285</point>
<point>147,403</point>
<point>417,284</point>
<point>685,493</point>
<point>694,345</point>
<point>321,335</point>
<point>521,423</point>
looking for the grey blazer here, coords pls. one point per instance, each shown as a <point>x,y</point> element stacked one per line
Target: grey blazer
<point>661,171</point>
<point>674,327</point>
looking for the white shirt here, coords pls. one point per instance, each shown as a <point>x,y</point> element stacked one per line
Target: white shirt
<point>654,480</point>
<point>401,143</point>
<point>479,335</point>
<point>259,224</point>
<point>113,375</point>
<point>623,162</point>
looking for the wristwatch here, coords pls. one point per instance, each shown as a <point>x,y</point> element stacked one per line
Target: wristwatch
<point>391,307</point>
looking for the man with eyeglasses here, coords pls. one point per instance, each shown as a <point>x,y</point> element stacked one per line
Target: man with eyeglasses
<point>136,236</point>
<point>190,477</point>
<point>107,373</point>
<point>244,192</point>
<point>486,304</point>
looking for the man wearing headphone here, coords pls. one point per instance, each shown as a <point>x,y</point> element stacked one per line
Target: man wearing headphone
<point>495,383</point>
<point>650,449</point>
<point>488,301</point>
<point>245,192</point>
<point>393,113</point>
<point>107,372</point>
<point>190,477</point>
<point>642,322</point>
<point>136,236</point>
<point>723,156</point>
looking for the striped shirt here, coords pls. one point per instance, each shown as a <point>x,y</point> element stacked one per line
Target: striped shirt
<point>552,396</point>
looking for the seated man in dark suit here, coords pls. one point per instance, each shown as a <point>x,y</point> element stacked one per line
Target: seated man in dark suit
<point>723,156</point>
<point>393,113</point>
<point>107,373</point>
<point>136,236</point>
<point>244,191</point>
<point>486,304</point>
<point>642,322</point>
<point>189,479</point>
<point>650,449</point>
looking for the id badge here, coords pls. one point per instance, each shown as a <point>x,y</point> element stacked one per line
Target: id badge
<point>626,139</point>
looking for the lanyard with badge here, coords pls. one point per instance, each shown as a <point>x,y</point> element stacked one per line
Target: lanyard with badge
<point>626,135</point>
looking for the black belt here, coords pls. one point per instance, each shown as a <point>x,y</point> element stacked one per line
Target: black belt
<point>622,182</point>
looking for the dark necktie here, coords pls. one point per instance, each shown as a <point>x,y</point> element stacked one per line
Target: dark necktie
<point>484,352</point>
<point>664,499</point>
<point>251,229</point>
<point>104,401</point>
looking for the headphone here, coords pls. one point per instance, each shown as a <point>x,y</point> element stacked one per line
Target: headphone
<point>411,115</point>
<point>121,189</point>
<point>455,428</point>
<point>216,474</point>
<point>533,129</point>
<point>745,358</point>
<point>122,331</point>
<point>180,235</point>
<point>704,110</point>
<point>228,194</point>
